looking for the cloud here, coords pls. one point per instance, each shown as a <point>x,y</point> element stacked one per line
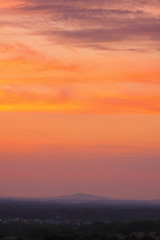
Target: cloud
<point>134,31</point>
<point>95,3</point>
<point>21,95</point>
<point>19,58</point>
<point>93,24</point>
<point>67,98</point>
<point>131,103</point>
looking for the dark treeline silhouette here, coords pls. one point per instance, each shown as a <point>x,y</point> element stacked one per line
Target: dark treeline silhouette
<point>29,220</point>
<point>84,212</point>
<point>96,231</point>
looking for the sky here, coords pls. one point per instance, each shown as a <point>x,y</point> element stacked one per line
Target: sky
<point>80,98</point>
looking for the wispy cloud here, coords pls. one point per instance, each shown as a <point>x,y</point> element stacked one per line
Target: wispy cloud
<point>91,23</point>
<point>43,98</point>
<point>50,43</point>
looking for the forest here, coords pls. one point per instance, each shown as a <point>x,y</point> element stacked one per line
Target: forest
<point>29,220</point>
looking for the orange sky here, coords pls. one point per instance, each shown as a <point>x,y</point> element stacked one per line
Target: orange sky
<point>80,98</point>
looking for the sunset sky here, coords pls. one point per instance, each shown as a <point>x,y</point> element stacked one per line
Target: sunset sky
<point>80,98</point>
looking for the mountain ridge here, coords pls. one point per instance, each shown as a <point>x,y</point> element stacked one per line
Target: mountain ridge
<point>83,196</point>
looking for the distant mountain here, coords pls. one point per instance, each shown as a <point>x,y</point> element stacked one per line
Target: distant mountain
<point>86,198</point>
<point>82,197</point>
